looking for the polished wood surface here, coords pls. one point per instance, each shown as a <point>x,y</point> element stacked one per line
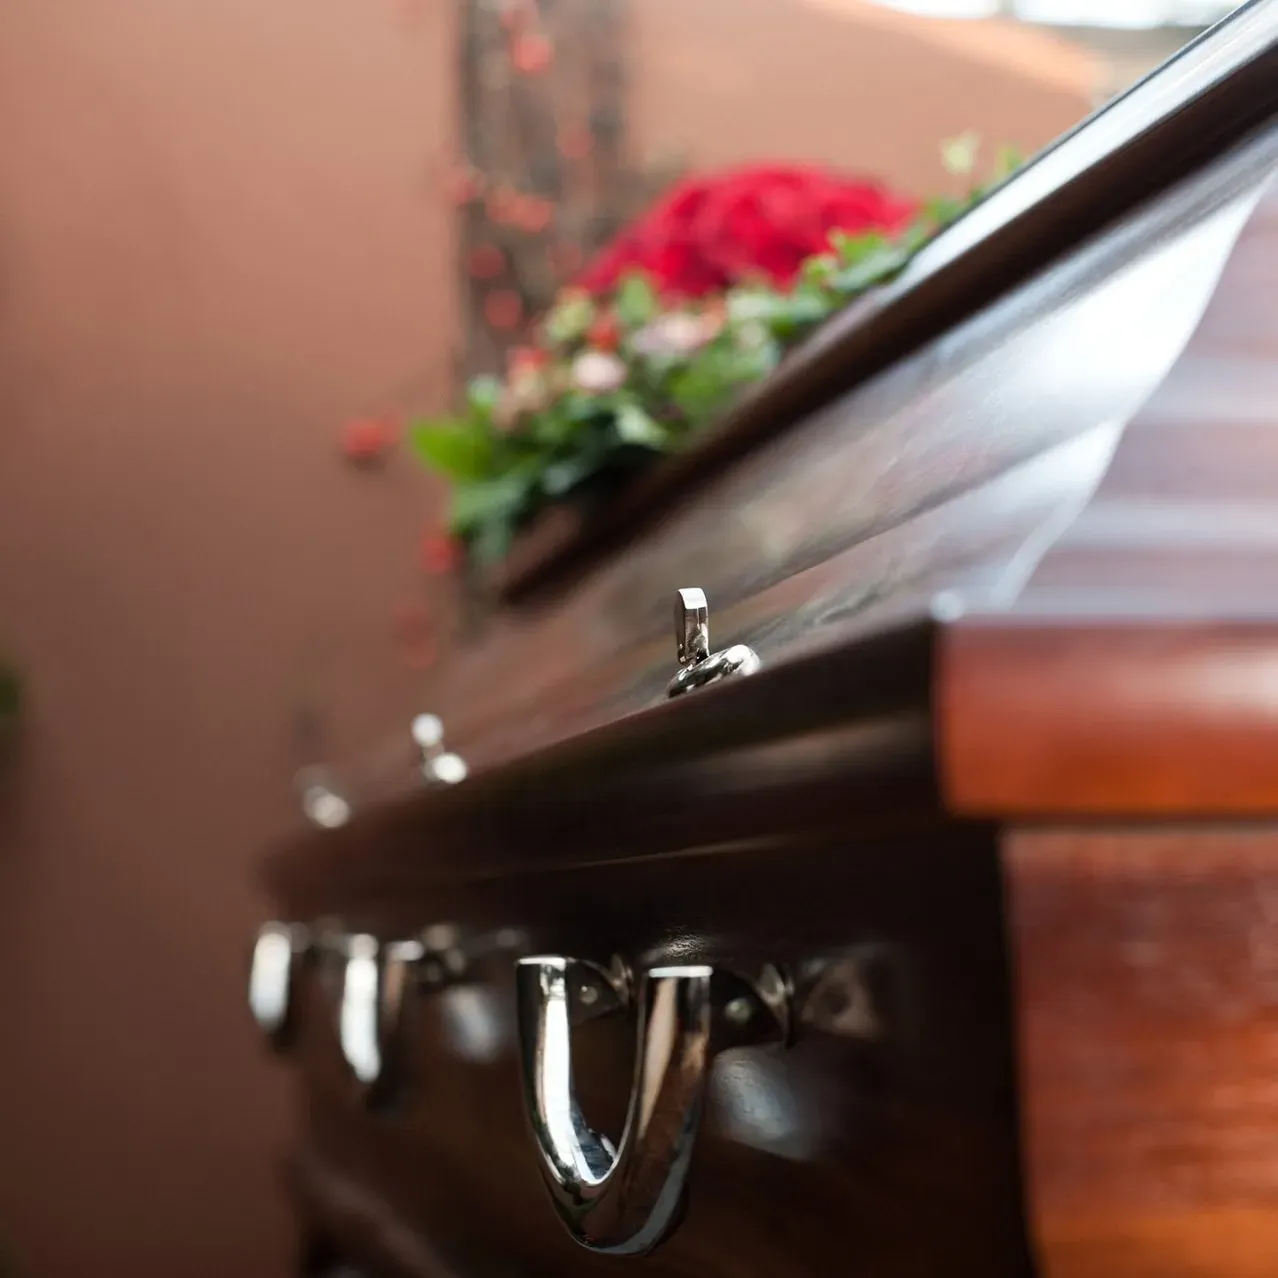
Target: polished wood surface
<point>899,1146</point>
<point>1146,968</point>
<point>1132,666</point>
<point>1043,717</point>
<point>943,473</point>
<point>1013,582</point>
<point>1158,134</point>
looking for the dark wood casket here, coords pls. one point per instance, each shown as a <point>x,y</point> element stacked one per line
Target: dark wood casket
<point>947,942</point>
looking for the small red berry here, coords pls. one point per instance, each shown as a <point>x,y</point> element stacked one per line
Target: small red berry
<point>485,262</point>
<point>527,359</point>
<point>533,214</point>
<point>464,185</point>
<point>531,53</point>
<point>502,204</point>
<point>367,438</point>
<point>604,334</point>
<point>503,309</point>
<point>439,552</point>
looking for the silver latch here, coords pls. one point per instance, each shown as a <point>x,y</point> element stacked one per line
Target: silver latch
<point>438,766</point>
<point>692,640</point>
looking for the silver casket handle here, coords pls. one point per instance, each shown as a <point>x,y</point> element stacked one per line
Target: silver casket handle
<point>625,1199</point>
<point>699,667</point>
<point>379,981</point>
<point>278,953</point>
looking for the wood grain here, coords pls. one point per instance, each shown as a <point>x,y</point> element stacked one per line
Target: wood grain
<point>1147,981</point>
<point>923,478</point>
<point>1088,460</point>
<point>1160,134</point>
<point>1133,673</point>
<point>895,1154</point>
<point>1151,717</point>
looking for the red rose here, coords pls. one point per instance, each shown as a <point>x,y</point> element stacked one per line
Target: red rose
<point>710,233</point>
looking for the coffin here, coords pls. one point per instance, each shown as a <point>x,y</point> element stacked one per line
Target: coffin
<point>946,943</point>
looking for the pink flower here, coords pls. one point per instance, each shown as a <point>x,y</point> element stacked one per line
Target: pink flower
<point>678,333</point>
<point>527,388</point>
<point>597,372</point>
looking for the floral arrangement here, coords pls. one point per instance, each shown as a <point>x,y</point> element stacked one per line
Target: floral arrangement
<point>662,331</point>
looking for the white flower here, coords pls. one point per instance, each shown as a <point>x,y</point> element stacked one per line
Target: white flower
<point>597,372</point>
<point>745,305</point>
<point>678,333</point>
<point>751,336</point>
<point>526,391</point>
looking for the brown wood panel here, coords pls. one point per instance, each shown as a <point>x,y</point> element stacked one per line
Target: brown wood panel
<point>893,1155</point>
<point>1064,715</point>
<point>1054,459</point>
<point>1186,518</point>
<point>1146,967</point>
<point>1132,674</point>
<point>1157,134</point>
<point>985,400</point>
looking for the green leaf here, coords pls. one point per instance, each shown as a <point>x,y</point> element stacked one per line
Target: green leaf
<point>486,500</point>
<point>752,305</point>
<point>582,409</point>
<point>942,210</point>
<point>916,235</point>
<point>697,392</point>
<point>851,249</point>
<point>490,541</point>
<point>482,396</point>
<point>1006,161</point>
<point>871,271</point>
<point>818,268</point>
<point>560,477</point>
<point>636,301</point>
<point>634,426</point>
<point>568,320</point>
<point>553,426</point>
<point>800,311</point>
<point>462,450</point>
<point>707,385</point>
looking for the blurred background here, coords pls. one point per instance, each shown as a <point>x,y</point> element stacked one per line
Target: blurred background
<point>237,239</point>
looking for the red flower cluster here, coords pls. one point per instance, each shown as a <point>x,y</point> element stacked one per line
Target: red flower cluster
<point>709,233</point>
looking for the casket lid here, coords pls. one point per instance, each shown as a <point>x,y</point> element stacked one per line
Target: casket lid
<point>1026,571</point>
<point>1187,112</point>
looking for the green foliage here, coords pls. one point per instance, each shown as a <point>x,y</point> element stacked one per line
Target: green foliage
<point>636,302</point>
<point>613,383</point>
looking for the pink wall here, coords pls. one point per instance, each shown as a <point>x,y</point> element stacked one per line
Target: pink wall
<point>848,83</point>
<point>218,235</point>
